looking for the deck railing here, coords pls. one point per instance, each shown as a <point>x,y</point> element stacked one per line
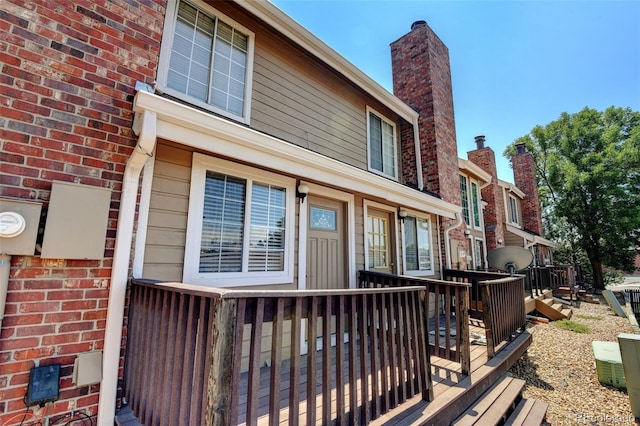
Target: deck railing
<point>230,357</point>
<point>634,301</point>
<point>498,300</point>
<point>447,306</point>
<point>539,278</point>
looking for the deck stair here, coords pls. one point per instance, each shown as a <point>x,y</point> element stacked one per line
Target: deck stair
<point>552,308</point>
<point>503,404</point>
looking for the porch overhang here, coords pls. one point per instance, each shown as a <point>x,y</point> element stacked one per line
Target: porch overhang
<point>530,239</point>
<point>209,133</point>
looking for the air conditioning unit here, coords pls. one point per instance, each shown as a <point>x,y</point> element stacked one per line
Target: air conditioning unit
<point>609,364</point>
<point>630,352</point>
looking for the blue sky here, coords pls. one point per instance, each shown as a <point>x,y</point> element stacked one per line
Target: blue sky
<point>514,64</point>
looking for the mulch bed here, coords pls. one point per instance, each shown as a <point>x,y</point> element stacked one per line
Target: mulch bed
<point>559,369</point>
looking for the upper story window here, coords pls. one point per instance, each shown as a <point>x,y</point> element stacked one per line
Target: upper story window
<point>464,195</point>
<point>240,225</point>
<point>475,203</point>
<point>206,59</point>
<point>513,210</point>
<point>382,145</point>
<point>418,258</point>
<point>470,199</point>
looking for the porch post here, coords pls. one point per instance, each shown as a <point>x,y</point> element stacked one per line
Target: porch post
<point>220,404</point>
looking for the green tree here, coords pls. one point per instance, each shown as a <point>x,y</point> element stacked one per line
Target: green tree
<point>588,170</point>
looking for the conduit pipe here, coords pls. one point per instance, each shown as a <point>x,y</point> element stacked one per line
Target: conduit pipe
<point>145,123</point>
<point>447,243</point>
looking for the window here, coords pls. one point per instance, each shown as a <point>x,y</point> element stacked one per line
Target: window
<point>418,258</point>
<point>239,227</point>
<point>206,60</point>
<point>382,145</point>
<point>513,210</point>
<point>475,203</point>
<point>464,195</point>
<point>378,242</point>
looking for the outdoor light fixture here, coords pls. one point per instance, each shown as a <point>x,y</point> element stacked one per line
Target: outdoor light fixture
<point>499,240</point>
<point>402,213</point>
<point>467,232</point>
<point>302,191</point>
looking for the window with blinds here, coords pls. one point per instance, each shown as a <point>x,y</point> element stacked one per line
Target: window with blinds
<point>240,225</point>
<point>224,247</point>
<point>208,60</point>
<point>417,246</point>
<point>382,145</point>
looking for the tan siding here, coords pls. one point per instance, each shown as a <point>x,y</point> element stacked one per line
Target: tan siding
<point>291,105</point>
<point>166,234</point>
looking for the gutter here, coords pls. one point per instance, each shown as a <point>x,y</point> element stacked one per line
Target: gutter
<point>145,124</point>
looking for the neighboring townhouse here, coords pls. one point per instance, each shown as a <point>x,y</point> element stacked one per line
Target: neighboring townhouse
<point>472,181</point>
<point>219,144</point>
<point>512,215</point>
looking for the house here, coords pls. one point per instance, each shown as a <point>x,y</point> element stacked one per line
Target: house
<point>213,145</point>
<point>512,215</point>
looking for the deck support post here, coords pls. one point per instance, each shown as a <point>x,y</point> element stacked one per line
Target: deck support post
<point>463,326</point>
<point>221,376</point>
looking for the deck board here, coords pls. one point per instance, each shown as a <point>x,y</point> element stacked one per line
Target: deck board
<point>449,385</point>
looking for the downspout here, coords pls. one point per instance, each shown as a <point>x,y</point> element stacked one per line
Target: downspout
<point>447,244</point>
<point>146,124</point>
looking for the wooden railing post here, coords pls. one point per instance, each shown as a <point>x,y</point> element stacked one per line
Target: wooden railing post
<point>220,407</point>
<point>463,325</point>
<point>487,310</point>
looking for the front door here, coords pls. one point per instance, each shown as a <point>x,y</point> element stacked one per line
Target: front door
<point>326,241</point>
<point>380,253</point>
<point>326,254</point>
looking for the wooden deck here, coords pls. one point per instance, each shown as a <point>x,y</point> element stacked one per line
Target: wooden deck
<point>453,391</point>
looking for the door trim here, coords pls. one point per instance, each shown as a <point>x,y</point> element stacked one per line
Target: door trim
<point>303,219</point>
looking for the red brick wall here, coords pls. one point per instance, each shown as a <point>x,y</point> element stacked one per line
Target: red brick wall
<point>494,213</point>
<point>68,70</point>
<point>524,175</point>
<point>422,79</point>
<point>408,151</point>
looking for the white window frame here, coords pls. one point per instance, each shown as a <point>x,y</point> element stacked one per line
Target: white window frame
<point>393,231</point>
<point>165,57</point>
<point>370,111</point>
<point>465,198</point>
<point>191,275</point>
<point>417,273</point>
<point>513,210</point>
<point>476,208</point>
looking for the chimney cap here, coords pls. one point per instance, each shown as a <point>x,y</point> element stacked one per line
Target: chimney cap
<point>479,141</point>
<point>521,148</point>
<point>420,23</point>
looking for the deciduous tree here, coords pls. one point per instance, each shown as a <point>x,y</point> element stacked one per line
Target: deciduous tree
<point>588,170</point>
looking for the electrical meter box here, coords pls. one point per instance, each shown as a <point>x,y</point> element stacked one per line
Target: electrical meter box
<point>19,223</point>
<point>77,219</point>
<point>609,364</point>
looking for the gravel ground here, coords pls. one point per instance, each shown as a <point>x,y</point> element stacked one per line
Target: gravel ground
<point>559,369</point>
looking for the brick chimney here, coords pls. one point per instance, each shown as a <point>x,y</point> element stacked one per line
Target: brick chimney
<point>524,175</point>
<point>494,214</point>
<point>422,79</point>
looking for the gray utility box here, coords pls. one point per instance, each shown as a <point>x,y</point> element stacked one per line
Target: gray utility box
<point>630,352</point>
